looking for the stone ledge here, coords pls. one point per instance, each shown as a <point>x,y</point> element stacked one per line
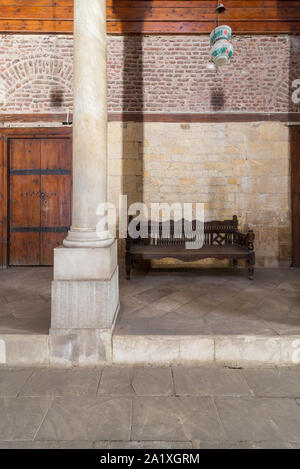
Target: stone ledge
<point>93,347</point>
<point>194,350</point>
<point>24,350</point>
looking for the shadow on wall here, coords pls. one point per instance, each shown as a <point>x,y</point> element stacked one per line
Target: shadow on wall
<point>132,101</point>
<point>56,98</point>
<point>56,94</point>
<point>217,100</point>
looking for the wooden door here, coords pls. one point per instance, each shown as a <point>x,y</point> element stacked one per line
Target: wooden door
<point>39,199</point>
<point>295,193</point>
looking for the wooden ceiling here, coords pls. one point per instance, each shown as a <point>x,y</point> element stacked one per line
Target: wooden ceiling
<point>154,16</point>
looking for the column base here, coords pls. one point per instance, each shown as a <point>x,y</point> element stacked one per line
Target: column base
<point>88,239</point>
<point>89,304</point>
<point>85,304</point>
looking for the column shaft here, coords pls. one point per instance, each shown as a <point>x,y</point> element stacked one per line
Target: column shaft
<point>89,124</point>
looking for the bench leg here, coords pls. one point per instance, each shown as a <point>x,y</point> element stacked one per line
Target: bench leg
<point>251,273</point>
<point>235,264</point>
<point>251,264</point>
<point>128,265</point>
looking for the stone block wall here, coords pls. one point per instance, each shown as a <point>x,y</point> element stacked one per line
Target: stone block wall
<point>234,168</point>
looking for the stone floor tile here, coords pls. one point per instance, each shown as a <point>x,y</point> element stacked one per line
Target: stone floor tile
<point>198,308</point>
<point>225,323</point>
<point>130,304</point>
<point>10,324</point>
<point>264,445</point>
<point>285,414</point>
<point>2,300</point>
<point>116,381</point>
<point>149,445</point>
<point>153,382</point>
<point>87,419</point>
<point>149,296</point>
<point>175,300</point>
<point>285,326</point>
<point>274,382</point>
<point>275,306</point>
<point>20,418</point>
<point>11,381</point>
<point>101,444</point>
<point>62,445</point>
<point>29,309</point>
<point>247,419</point>
<point>132,326</point>
<point>59,382</point>
<point>175,419</point>
<point>197,444</point>
<point>194,381</point>
<point>46,445</point>
<point>177,323</point>
<point>150,312</point>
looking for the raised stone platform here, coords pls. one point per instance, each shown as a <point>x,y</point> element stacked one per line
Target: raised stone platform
<point>169,318</point>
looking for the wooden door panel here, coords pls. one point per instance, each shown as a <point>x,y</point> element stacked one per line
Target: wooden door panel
<point>49,241</point>
<point>24,248</point>
<point>55,201</point>
<point>25,154</point>
<point>56,188</point>
<point>56,154</point>
<point>25,201</point>
<point>40,183</point>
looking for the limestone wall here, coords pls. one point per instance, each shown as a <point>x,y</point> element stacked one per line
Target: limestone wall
<point>234,168</point>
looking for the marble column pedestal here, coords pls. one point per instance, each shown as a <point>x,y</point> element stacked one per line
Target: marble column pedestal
<point>85,303</point>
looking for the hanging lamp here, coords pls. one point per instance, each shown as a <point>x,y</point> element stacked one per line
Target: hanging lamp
<point>220,41</point>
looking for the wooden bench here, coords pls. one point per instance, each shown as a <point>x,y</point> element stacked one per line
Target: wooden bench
<point>222,240</point>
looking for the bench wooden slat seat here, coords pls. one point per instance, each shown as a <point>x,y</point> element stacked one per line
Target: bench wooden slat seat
<point>222,240</point>
<point>169,251</point>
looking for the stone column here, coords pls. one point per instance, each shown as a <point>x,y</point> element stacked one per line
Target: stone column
<point>85,295</point>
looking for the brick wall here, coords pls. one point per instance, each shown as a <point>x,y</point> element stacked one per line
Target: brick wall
<point>35,73</point>
<point>152,73</point>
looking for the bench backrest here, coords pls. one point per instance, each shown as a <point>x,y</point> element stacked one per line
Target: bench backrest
<point>172,233</point>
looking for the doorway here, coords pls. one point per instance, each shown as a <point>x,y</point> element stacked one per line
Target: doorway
<point>38,195</point>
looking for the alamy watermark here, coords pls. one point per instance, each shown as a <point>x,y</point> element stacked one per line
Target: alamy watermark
<point>296,93</point>
<point>156,220</point>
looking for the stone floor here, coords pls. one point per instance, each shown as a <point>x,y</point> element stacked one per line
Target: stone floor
<point>138,407</point>
<point>208,302</point>
<point>211,302</point>
<point>25,300</point>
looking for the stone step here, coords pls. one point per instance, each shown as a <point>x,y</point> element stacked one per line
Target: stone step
<point>24,350</point>
<point>246,350</point>
<point>196,349</point>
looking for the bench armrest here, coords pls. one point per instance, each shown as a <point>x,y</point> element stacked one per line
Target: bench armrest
<point>245,239</point>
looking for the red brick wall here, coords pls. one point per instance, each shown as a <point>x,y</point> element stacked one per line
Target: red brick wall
<point>153,73</point>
